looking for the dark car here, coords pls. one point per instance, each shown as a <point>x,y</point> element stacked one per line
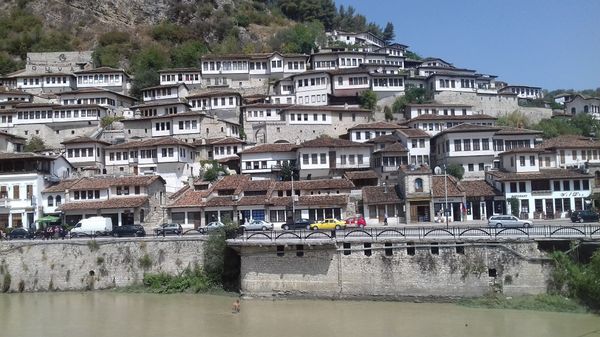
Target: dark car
<point>581,216</point>
<point>168,228</point>
<point>20,233</point>
<point>298,224</point>
<point>129,230</point>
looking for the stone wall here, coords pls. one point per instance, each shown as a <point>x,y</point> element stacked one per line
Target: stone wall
<point>324,271</point>
<point>99,264</point>
<point>54,133</point>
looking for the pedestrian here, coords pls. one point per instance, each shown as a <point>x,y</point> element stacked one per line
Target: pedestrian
<point>385,220</point>
<point>235,308</point>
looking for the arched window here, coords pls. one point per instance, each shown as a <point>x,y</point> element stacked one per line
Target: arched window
<point>586,109</point>
<point>50,201</point>
<point>418,185</point>
<point>573,111</point>
<point>58,200</point>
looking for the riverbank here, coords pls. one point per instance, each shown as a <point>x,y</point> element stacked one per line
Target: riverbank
<point>551,303</point>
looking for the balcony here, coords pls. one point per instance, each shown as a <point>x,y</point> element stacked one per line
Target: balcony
<point>389,168</point>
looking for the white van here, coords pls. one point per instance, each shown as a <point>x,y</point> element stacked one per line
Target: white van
<point>95,225</point>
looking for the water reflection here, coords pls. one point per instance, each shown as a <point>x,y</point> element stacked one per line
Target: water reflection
<point>112,314</point>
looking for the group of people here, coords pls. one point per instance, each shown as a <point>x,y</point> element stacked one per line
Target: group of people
<point>54,232</point>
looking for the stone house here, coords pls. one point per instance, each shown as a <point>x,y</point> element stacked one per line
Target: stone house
<point>266,160</point>
<point>86,154</point>
<point>326,157</point>
<point>108,78</point>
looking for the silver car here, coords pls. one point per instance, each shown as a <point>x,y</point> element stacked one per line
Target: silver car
<point>211,227</point>
<point>257,225</point>
<point>499,221</point>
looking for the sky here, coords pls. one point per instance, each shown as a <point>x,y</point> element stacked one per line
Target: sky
<point>553,44</point>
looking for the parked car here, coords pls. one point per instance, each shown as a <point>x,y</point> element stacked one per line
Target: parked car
<point>507,221</point>
<point>581,216</point>
<point>328,224</point>
<point>356,221</point>
<point>95,225</point>
<point>129,230</point>
<point>257,225</point>
<point>168,228</point>
<point>298,224</point>
<point>211,227</point>
<point>19,233</point>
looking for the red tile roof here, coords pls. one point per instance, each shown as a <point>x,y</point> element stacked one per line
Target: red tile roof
<point>542,174</point>
<point>355,175</point>
<point>118,202</point>
<point>84,139</point>
<point>570,142</point>
<point>101,182</point>
<point>267,148</point>
<point>479,188</point>
<point>414,133</point>
<point>377,125</point>
<point>151,142</point>
<point>430,117</point>
<point>438,187</point>
<point>378,195</point>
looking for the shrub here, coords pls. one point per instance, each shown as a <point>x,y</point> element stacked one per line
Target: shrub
<point>35,144</point>
<point>93,245</point>
<point>145,262</point>
<point>190,280</point>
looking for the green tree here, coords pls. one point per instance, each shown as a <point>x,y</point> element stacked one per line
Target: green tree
<point>300,38</point>
<point>388,33</point>
<point>35,144</point>
<point>411,95</point>
<point>288,171</point>
<point>389,115</point>
<point>456,170</point>
<point>515,119</point>
<point>188,54</point>
<point>412,55</point>
<point>368,100</point>
<point>7,63</point>
<point>586,123</point>
<point>556,126</point>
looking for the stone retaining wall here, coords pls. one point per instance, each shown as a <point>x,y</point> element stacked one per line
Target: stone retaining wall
<point>93,264</point>
<point>324,271</point>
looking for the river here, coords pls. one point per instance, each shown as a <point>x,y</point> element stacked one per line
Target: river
<point>111,314</point>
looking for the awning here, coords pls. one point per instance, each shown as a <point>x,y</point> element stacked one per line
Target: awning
<point>48,218</point>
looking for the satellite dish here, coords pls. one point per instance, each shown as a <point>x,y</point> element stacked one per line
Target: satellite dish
<point>437,170</point>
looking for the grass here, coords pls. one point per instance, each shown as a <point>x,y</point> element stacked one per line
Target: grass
<point>552,303</point>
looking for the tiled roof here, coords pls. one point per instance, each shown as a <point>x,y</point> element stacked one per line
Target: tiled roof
<point>84,139</point>
<point>219,201</point>
<point>393,147</point>
<point>414,133</point>
<point>253,200</point>
<point>161,141</point>
<point>224,141</point>
<point>570,142</point>
<point>161,102</point>
<point>323,200</point>
<point>437,105</point>
<point>368,174</point>
<point>384,139</point>
<point>378,195</point>
<point>119,202</point>
<point>176,85</point>
<point>100,70</point>
<point>61,186</point>
<point>232,182</point>
<point>23,155</point>
<point>542,174</point>
<point>267,148</point>
<point>258,185</point>
<point>266,105</point>
<point>422,169</point>
<point>377,125</point>
<point>93,90</point>
<point>506,130</point>
<point>189,198</point>
<point>332,142</point>
<point>466,127</point>
<point>173,70</point>
<point>179,114</point>
<point>319,184</point>
<point>438,187</point>
<point>522,150</point>
<point>429,117</point>
<point>479,188</point>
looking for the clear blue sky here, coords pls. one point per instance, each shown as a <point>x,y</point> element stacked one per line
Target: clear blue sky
<point>548,43</point>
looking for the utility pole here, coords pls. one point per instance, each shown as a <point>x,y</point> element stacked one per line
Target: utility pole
<point>446,192</point>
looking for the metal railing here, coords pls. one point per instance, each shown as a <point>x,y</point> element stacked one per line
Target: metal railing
<point>376,234</point>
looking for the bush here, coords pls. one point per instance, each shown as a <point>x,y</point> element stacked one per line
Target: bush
<point>577,279</point>
<point>145,262</point>
<point>190,280</point>
<point>214,252</point>
<point>456,170</point>
<point>368,100</point>
<point>35,144</point>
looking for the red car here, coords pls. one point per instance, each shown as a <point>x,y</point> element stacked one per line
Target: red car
<point>357,221</point>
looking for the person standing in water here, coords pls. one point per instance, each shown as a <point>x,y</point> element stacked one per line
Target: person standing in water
<point>236,306</point>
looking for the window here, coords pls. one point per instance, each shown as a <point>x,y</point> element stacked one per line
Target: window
<point>418,185</point>
<point>476,146</point>
<point>522,187</point>
<point>313,159</point>
<point>323,158</point>
<point>467,144</point>
<point>305,159</point>
<point>457,145</point>
<point>16,194</point>
<point>532,160</point>
<point>58,200</point>
<point>521,160</point>
<point>481,167</point>
<point>50,201</point>
<point>513,187</point>
<point>471,167</point>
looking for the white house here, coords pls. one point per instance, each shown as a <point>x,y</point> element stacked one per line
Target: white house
<point>86,154</point>
<point>418,144</point>
<point>364,132</point>
<point>171,91</point>
<point>192,77</point>
<point>523,91</point>
<point>104,77</point>
<point>22,179</point>
<point>266,160</point>
<point>327,157</point>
